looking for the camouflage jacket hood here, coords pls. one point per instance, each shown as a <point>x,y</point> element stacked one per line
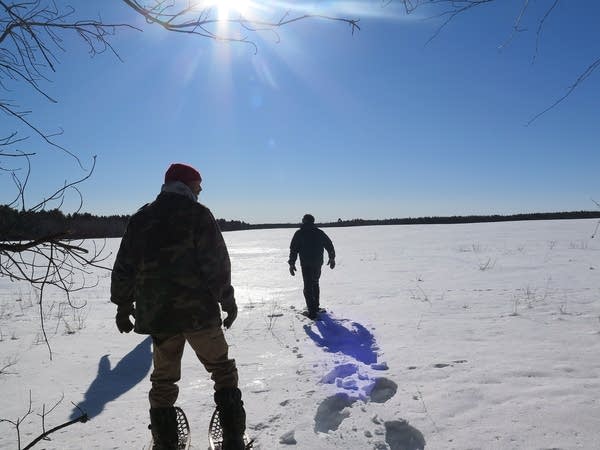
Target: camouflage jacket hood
<point>174,266</point>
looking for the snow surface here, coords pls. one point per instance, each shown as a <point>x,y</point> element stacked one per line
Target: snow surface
<point>478,336</point>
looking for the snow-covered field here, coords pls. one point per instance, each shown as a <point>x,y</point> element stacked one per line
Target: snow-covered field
<point>479,336</point>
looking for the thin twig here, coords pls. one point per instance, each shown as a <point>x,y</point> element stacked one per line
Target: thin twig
<point>83,419</point>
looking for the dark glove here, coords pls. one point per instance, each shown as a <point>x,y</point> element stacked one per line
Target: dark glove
<point>331,263</point>
<point>231,315</point>
<point>292,269</point>
<point>124,323</point>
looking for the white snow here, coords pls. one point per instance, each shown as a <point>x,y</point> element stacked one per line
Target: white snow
<point>478,336</point>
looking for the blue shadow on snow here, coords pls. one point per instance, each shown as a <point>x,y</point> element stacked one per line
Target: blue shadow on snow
<point>354,341</point>
<point>110,384</point>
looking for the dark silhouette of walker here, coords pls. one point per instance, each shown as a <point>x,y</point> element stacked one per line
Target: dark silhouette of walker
<point>309,242</point>
<point>110,384</point>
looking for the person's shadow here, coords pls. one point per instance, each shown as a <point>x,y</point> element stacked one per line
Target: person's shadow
<point>353,340</point>
<point>110,384</point>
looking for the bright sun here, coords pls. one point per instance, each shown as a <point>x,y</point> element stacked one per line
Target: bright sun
<point>227,8</point>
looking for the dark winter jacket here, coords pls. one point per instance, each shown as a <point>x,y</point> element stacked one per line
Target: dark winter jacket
<point>310,241</point>
<point>174,265</point>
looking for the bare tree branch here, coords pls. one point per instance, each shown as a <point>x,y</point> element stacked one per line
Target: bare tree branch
<point>17,423</point>
<point>517,26</point>
<point>60,193</point>
<point>29,41</point>
<point>455,8</point>
<point>539,29</point>
<point>197,20</point>
<point>8,363</point>
<point>83,418</point>
<point>31,36</point>
<point>584,75</point>
<point>450,9</point>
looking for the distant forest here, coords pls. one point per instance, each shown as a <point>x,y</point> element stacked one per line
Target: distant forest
<point>16,225</point>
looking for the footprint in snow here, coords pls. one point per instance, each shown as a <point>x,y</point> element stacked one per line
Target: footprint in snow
<point>382,390</point>
<point>331,412</point>
<point>399,435</point>
<point>288,438</point>
<point>442,365</point>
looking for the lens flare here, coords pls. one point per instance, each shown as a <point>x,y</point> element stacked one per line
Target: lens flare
<point>227,8</point>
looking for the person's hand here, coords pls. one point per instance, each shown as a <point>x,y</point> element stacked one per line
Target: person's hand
<point>292,269</point>
<point>122,319</point>
<point>331,263</point>
<point>231,315</point>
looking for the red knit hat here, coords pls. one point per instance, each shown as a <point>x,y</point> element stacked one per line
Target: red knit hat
<point>182,172</point>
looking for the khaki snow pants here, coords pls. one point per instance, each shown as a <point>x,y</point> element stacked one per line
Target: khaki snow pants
<point>211,349</point>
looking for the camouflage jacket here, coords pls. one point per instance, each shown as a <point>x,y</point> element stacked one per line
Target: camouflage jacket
<point>174,265</point>
<point>310,241</point>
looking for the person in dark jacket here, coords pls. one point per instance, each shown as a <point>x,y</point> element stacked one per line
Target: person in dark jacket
<point>309,242</point>
<point>173,275</point>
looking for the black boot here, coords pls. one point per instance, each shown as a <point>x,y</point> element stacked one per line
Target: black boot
<point>232,417</point>
<point>163,424</point>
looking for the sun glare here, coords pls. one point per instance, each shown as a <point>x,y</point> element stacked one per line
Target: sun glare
<point>228,8</point>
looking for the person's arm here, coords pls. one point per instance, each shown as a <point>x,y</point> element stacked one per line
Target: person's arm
<point>122,276</point>
<point>330,250</point>
<point>294,249</point>
<point>122,284</point>
<point>215,264</point>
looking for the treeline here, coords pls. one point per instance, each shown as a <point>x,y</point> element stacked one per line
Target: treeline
<point>467,219</point>
<point>16,225</point>
<point>442,220</point>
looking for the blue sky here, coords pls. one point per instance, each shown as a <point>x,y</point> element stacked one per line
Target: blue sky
<point>371,125</point>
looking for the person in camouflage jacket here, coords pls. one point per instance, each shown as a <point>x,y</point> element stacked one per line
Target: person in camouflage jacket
<point>172,273</point>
